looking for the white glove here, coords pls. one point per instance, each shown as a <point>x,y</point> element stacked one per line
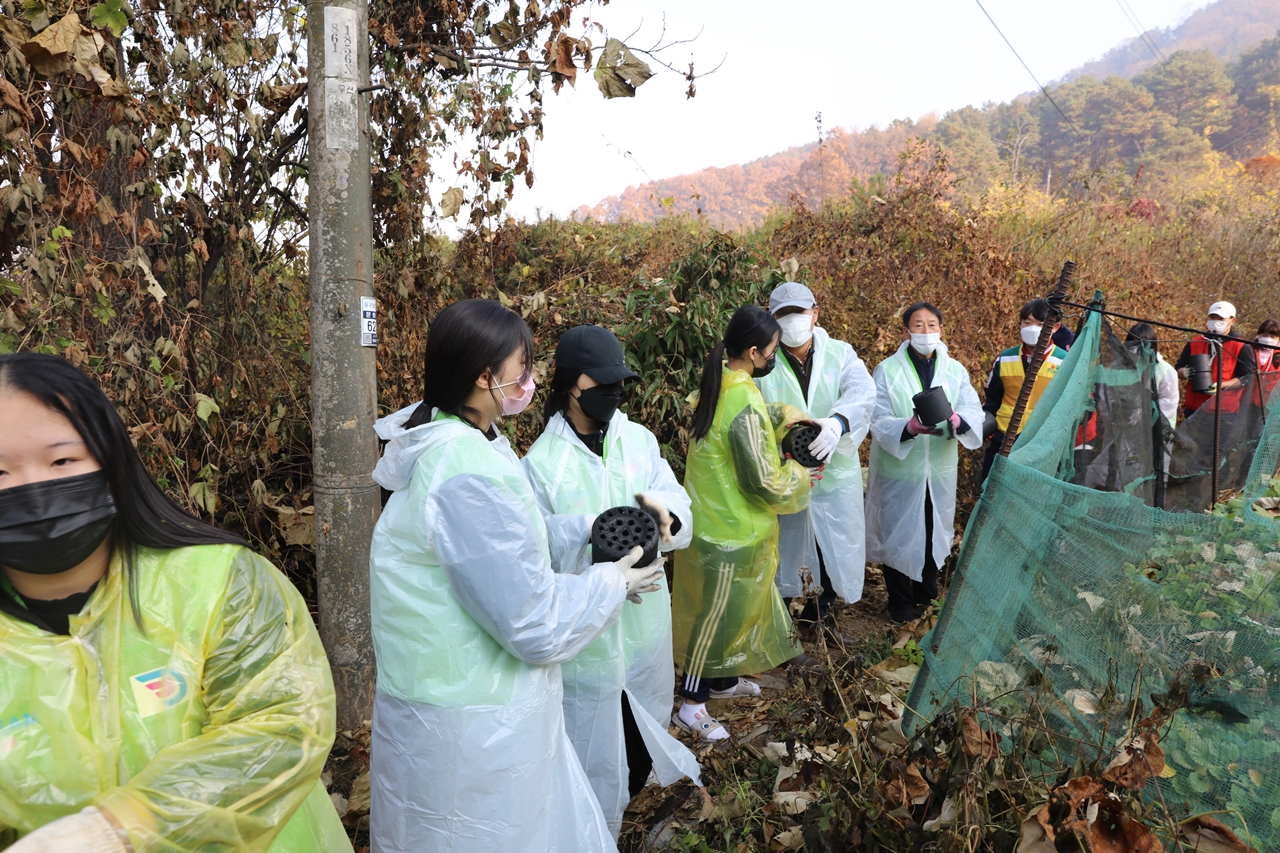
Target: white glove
<point>825,444</point>
<point>84,832</point>
<point>640,580</point>
<point>660,515</point>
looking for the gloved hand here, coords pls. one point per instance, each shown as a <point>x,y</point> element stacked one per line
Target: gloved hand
<point>915,427</point>
<point>86,831</point>
<point>953,425</point>
<point>825,444</point>
<point>640,580</point>
<point>660,515</point>
<point>815,474</point>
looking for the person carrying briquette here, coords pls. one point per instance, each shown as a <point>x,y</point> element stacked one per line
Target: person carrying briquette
<point>470,623</point>
<point>590,458</point>
<point>1166,377</point>
<point>728,616</point>
<point>1265,356</point>
<point>1238,359</point>
<point>1004,383</point>
<point>824,377</point>
<point>162,687</point>
<point>911,490</point>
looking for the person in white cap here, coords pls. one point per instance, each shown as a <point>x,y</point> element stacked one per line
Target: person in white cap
<point>1237,356</point>
<point>825,378</point>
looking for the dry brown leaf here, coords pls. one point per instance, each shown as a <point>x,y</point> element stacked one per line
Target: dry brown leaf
<point>1113,831</point>
<point>791,839</point>
<point>12,98</point>
<point>1033,838</point>
<point>50,51</point>
<point>976,742</point>
<point>1206,835</point>
<point>359,800</point>
<point>708,806</point>
<point>909,789</point>
<point>1057,815</point>
<point>564,58</point>
<point>1137,762</point>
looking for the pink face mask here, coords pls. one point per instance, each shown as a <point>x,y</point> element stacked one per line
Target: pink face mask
<point>517,404</point>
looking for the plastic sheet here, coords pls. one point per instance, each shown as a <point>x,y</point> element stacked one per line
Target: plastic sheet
<point>572,484</point>
<point>206,733</point>
<point>728,617</point>
<point>839,384</point>
<point>901,471</point>
<point>470,624</point>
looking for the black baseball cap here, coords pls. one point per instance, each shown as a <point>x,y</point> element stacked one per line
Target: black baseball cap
<point>596,352</point>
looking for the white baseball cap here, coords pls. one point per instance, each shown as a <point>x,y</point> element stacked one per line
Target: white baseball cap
<point>1225,310</point>
<point>791,294</point>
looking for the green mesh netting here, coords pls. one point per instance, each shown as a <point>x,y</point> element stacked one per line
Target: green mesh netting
<point>1074,593</point>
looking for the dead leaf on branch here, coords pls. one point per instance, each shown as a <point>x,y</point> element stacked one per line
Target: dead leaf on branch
<point>564,67</point>
<point>50,51</point>
<point>908,789</point>
<point>1206,835</point>
<point>976,742</point>
<point>1137,762</point>
<point>451,202</point>
<point>11,98</point>
<point>619,72</point>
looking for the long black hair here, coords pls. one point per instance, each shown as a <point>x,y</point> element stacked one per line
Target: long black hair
<point>466,339</point>
<point>749,327</point>
<point>563,380</point>
<point>145,516</point>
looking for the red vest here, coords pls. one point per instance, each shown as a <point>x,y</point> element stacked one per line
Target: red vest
<point>1231,348</point>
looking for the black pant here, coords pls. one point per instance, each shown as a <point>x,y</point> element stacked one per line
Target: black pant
<point>639,762</point>
<point>699,689</point>
<point>815,611</point>
<point>907,596</point>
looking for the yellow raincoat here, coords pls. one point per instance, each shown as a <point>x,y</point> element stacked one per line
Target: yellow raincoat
<point>729,618</point>
<point>207,732</point>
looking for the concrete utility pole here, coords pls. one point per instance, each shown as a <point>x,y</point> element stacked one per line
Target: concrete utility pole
<point>343,343</point>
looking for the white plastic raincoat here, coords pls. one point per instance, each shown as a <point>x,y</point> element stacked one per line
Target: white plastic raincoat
<point>573,486</point>
<point>838,384</point>
<point>470,626</point>
<point>205,732</point>
<point>902,470</point>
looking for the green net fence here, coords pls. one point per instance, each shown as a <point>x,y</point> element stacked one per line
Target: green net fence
<point>1078,602</point>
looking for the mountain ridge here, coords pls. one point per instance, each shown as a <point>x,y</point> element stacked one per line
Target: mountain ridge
<point>743,195</point>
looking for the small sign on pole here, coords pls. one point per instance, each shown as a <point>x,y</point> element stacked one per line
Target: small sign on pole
<point>368,321</point>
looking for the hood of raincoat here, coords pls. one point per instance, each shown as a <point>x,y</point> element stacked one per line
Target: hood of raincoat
<point>405,446</point>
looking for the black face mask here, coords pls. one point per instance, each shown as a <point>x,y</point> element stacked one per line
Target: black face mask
<point>761,372</point>
<point>54,525</point>
<point>600,402</point>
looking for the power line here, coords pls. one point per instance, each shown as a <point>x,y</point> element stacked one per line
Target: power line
<point>1147,40</point>
<point>1024,65</point>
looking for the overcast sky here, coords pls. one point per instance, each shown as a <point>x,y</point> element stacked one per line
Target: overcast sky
<point>859,62</point>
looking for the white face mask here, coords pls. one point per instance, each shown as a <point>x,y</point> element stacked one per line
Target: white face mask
<point>797,329</point>
<point>1218,327</point>
<point>1267,356</point>
<point>1031,335</point>
<point>925,344</point>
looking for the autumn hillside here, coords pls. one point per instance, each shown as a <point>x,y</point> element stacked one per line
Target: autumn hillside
<point>1210,95</point>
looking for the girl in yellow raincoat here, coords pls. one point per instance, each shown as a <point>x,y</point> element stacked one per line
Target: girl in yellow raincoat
<point>162,687</point>
<point>729,619</point>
